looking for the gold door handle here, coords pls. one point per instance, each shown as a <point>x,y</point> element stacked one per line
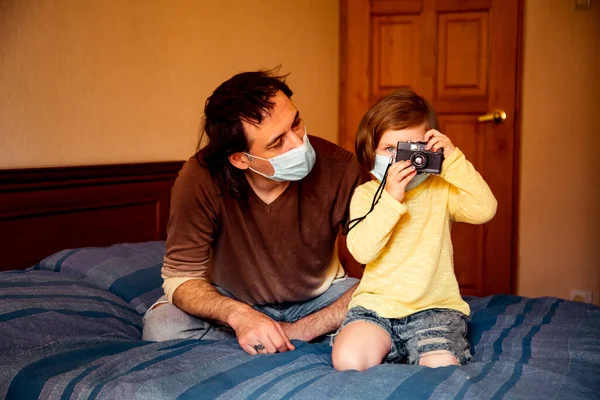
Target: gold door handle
<point>497,117</point>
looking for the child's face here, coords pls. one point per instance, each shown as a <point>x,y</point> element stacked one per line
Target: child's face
<point>389,140</point>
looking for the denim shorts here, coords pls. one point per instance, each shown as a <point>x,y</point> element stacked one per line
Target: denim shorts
<point>419,333</point>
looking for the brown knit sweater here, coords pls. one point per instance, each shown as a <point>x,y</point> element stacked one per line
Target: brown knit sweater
<point>261,253</point>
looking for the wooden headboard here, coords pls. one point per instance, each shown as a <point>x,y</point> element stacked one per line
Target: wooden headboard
<point>45,210</point>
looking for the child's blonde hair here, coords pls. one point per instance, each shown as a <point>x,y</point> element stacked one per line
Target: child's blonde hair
<point>399,110</point>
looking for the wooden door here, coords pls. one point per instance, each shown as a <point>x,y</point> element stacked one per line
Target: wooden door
<point>462,55</point>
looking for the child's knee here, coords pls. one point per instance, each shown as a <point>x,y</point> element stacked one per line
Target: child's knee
<point>348,360</point>
<point>437,359</point>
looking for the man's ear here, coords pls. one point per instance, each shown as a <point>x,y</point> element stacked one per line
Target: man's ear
<point>239,160</point>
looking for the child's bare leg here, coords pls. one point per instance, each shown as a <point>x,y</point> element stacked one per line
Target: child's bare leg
<point>360,345</point>
<point>438,358</point>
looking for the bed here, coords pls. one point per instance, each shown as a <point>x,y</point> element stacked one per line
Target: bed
<point>82,250</point>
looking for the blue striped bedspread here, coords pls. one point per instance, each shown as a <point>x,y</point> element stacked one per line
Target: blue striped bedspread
<point>63,337</point>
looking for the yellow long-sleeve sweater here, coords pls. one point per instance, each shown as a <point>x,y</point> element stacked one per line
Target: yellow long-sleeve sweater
<point>407,246</point>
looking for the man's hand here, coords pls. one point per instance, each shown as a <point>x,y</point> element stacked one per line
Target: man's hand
<point>399,174</point>
<point>200,298</point>
<point>437,140</point>
<point>254,328</point>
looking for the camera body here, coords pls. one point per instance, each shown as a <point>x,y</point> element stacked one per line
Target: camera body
<point>424,161</point>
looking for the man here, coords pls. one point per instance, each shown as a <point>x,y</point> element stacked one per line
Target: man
<point>254,218</point>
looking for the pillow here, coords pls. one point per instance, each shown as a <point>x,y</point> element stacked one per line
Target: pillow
<point>129,270</point>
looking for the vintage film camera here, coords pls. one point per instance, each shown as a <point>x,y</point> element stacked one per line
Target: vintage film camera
<point>424,161</point>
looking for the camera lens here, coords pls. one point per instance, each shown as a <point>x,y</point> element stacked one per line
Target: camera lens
<point>418,159</point>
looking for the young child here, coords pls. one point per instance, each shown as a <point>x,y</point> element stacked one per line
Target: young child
<point>407,307</point>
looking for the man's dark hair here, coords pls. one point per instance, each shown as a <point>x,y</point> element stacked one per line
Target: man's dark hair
<point>246,97</point>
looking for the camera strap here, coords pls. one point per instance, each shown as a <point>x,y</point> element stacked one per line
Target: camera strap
<point>352,223</point>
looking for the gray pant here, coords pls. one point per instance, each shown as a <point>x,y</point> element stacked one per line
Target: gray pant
<point>169,322</point>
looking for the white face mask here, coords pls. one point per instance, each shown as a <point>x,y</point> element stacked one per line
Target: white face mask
<point>292,165</point>
<point>381,163</point>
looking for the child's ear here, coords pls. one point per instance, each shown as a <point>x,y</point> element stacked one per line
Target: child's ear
<point>239,160</point>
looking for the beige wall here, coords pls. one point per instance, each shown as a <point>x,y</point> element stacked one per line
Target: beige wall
<point>113,81</point>
<point>559,234</point>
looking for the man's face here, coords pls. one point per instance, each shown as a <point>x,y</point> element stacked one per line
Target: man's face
<point>279,133</point>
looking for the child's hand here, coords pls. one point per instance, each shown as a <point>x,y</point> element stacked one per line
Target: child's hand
<point>398,176</point>
<point>437,140</point>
